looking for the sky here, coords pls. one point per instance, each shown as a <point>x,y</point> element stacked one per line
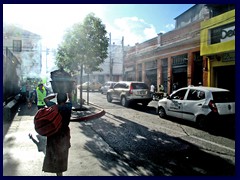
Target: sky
<point>135,22</point>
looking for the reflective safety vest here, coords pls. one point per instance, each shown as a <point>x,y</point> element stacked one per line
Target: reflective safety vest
<point>40,96</point>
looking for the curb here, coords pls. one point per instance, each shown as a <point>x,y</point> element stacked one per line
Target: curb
<point>89,117</point>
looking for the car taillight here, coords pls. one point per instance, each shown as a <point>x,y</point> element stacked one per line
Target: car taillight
<point>131,89</point>
<point>212,106</point>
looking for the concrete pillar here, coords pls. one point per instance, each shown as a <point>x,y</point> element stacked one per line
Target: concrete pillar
<point>170,61</point>
<point>206,70</point>
<point>190,68</point>
<point>143,72</point>
<point>159,72</point>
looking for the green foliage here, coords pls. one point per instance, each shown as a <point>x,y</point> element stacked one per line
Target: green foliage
<point>83,44</point>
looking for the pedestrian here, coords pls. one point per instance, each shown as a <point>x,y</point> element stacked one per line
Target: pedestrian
<point>160,88</point>
<point>175,86</point>
<point>58,144</point>
<point>41,94</point>
<point>152,90</point>
<point>74,93</point>
<point>24,92</point>
<point>160,91</point>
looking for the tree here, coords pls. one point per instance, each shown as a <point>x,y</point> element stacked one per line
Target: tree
<point>85,45</point>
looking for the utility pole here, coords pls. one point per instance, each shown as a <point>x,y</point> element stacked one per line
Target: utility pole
<point>110,57</point>
<point>122,58</point>
<point>47,52</point>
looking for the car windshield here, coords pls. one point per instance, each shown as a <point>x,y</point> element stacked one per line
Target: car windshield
<point>223,96</point>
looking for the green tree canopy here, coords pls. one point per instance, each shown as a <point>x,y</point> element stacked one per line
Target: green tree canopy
<point>83,44</point>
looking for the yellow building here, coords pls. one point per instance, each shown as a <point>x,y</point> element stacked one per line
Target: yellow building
<point>218,50</point>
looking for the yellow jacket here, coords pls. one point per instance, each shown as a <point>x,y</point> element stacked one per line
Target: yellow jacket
<point>40,96</point>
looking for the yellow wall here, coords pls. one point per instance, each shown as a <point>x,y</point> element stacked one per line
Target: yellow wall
<point>209,49</point>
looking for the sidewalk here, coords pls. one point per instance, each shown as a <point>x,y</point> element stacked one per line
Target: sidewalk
<point>21,156</point>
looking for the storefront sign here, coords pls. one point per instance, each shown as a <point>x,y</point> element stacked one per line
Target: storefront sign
<point>228,57</point>
<point>223,33</point>
<point>228,34</point>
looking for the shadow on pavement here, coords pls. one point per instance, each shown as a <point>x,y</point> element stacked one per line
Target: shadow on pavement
<point>21,110</point>
<point>138,150</point>
<point>25,111</point>
<point>40,142</point>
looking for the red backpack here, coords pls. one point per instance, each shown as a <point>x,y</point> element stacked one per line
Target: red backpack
<point>48,121</point>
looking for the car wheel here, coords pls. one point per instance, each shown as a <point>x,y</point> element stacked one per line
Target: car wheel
<point>201,122</point>
<point>161,112</point>
<point>109,98</point>
<point>145,104</point>
<point>124,101</point>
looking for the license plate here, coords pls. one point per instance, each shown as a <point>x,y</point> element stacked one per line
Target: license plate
<point>142,92</point>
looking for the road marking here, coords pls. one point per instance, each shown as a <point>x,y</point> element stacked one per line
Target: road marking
<point>213,143</point>
<point>200,139</point>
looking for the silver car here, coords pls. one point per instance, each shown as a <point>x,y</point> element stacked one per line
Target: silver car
<point>130,92</point>
<point>198,104</point>
<point>107,86</point>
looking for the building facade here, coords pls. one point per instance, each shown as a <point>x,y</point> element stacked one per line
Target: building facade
<point>112,67</point>
<point>218,47</point>
<point>26,46</point>
<point>170,58</point>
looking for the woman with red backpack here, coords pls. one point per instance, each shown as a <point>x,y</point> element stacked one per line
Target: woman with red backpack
<point>58,144</point>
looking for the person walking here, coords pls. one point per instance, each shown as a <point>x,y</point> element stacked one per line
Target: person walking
<point>41,94</point>
<point>152,90</point>
<point>58,144</point>
<point>24,92</point>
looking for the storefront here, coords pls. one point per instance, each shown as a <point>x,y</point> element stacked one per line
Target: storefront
<point>218,50</point>
<point>129,74</point>
<point>179,70</point>
<point>151,72</point>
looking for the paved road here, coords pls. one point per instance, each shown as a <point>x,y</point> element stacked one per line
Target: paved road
<point>108,146</point>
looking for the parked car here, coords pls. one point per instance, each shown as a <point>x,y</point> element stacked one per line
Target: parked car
<point>202,105</point>
<point>129,92</point>
<point>93,86</point>
<point>107,86</point>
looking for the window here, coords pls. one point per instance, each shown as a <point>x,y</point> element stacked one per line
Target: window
<point>223,97</point>
<point>195,95</point>
<point>139,86</point>
<point>120,85</point>
<point>17,45</point>
<point>179,94</point>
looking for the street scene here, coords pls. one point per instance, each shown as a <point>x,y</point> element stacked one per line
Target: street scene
<point>123,142</point>
<point>130,94</point>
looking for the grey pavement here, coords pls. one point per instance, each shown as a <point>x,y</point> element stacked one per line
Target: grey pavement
<point>90,155</point>
<point>22,157</point>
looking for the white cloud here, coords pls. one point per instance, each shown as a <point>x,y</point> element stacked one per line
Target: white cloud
<point>150,32</point>
<point>48,20</point>
<point>133,29</point>
<point>170,26</point>
<point>51,21</point>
